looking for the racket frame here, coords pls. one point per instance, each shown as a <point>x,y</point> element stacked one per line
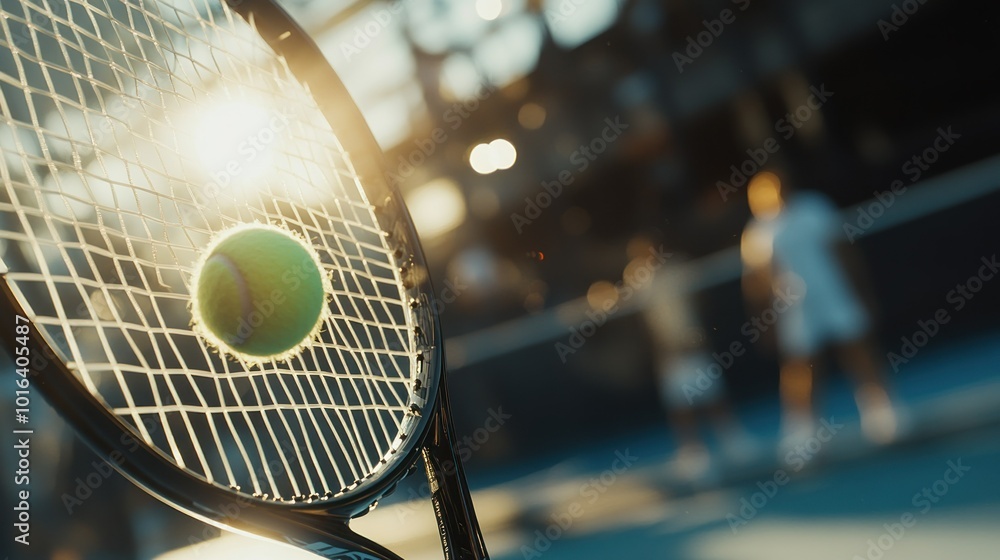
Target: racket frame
<point>320,526</point>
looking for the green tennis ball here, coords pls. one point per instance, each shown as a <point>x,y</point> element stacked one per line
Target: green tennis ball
<point>259,293</point>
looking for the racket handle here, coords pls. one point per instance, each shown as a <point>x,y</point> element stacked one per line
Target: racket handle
<point>459,529</point>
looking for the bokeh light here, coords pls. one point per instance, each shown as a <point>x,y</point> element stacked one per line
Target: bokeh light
<point>437,207</point>
<point>602,294</point>
<point>499,154</point>
<point>531,116</point>
<point>236,138</point>
<point>489,9</point>
<point>503,152</point>
<point>481,159</point>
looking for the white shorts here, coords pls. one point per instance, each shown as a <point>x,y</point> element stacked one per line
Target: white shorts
<point>814,322</point>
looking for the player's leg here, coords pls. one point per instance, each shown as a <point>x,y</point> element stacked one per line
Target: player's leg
<point>879,420</point>
<point>682,396</point>
<point>849,328</point>
<point>799,345</point>
<point>797,386</point>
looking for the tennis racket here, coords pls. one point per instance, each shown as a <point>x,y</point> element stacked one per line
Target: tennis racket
<point>132,133</point>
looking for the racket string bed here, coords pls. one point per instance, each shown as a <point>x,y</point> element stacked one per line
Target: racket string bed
<point>106,205</point>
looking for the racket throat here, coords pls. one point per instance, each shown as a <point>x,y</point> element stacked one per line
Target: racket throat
<point>461,536</point>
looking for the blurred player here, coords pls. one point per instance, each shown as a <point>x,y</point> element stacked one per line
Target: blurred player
<point>688,384</point>
<point>795,262</point>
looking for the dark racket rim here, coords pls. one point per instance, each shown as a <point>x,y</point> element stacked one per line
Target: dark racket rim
<point>148,467</point>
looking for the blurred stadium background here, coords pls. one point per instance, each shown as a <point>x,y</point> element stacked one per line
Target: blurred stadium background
<point>543,145</point>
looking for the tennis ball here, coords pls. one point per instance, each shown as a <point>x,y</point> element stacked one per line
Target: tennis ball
<point>259,293</point>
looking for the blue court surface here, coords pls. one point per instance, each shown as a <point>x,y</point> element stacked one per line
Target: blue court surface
<point>935,494</point>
